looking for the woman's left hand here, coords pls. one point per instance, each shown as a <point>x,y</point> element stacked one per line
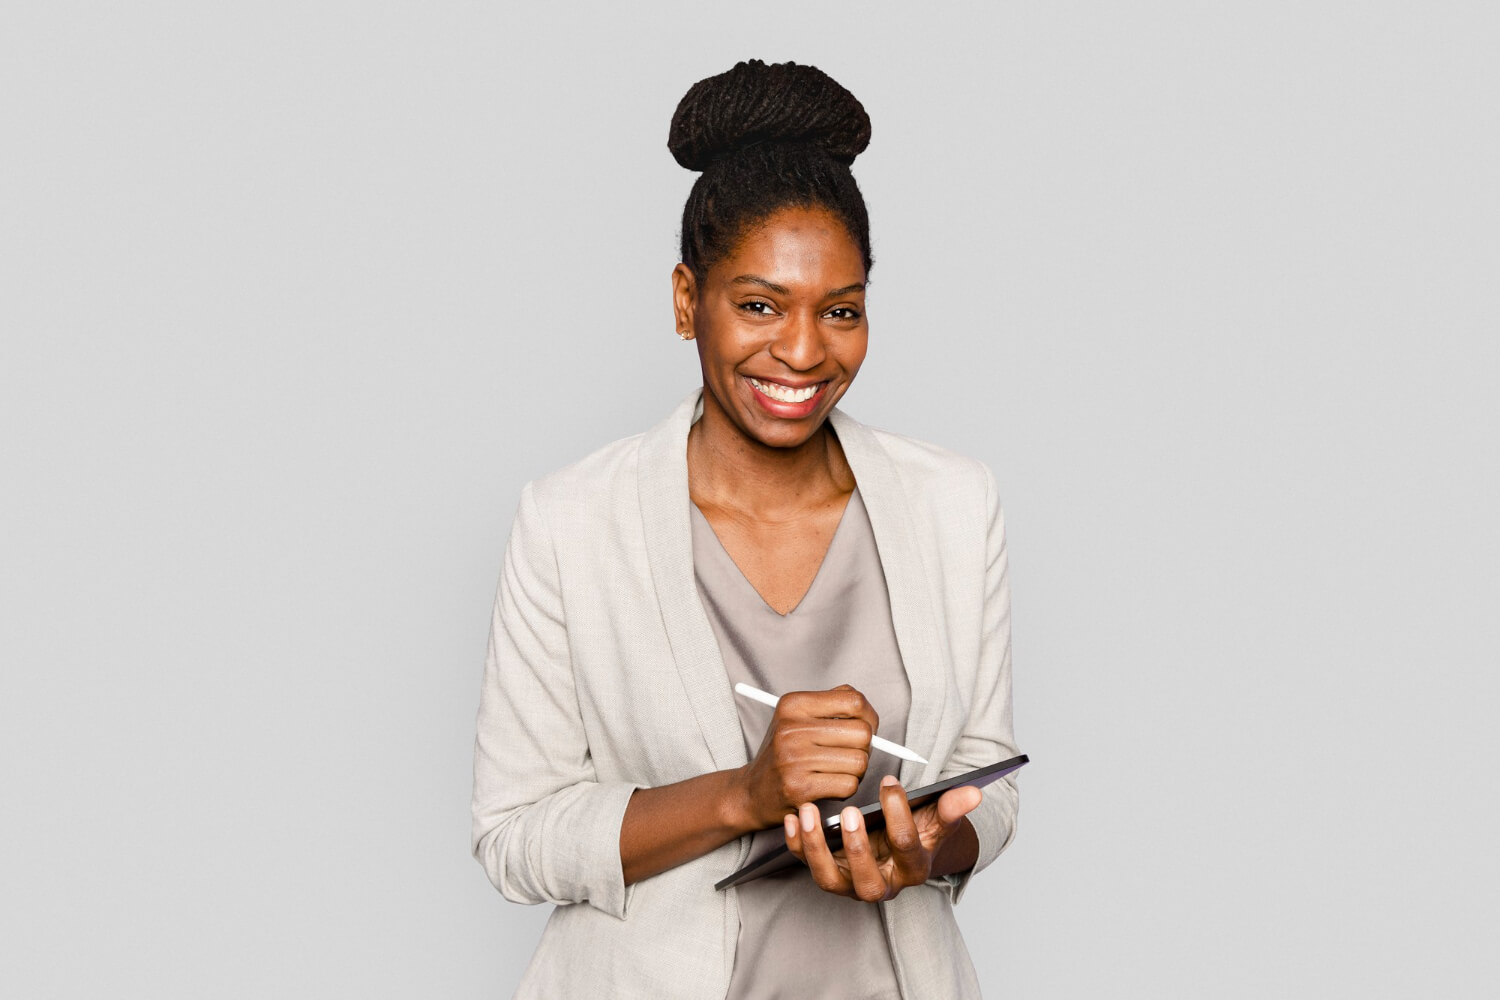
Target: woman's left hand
<point>876,866</point>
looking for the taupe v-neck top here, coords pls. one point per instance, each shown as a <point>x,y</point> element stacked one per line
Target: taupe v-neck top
<point>796,940</point>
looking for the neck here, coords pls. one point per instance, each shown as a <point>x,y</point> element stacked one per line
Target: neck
<point>728,469</point>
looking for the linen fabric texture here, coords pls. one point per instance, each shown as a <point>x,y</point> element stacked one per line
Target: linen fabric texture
<point>603,675</point>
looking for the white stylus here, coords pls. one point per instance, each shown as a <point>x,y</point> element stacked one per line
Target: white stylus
<point>756,694</point>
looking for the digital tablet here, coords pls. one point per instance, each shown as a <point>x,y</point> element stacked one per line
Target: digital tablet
<point>872,817</point>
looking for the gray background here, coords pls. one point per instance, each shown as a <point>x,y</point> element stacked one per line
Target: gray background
<point>297,295</point>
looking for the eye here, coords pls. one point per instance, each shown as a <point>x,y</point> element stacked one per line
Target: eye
<point>756,307</point>
<point>844,312</point>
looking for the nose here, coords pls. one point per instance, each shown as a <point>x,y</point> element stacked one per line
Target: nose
<point>799,342</point>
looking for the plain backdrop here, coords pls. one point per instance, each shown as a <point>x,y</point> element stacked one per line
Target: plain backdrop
<point>296,296</point>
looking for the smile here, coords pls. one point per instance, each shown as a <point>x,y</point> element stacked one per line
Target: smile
<point>786,394</point>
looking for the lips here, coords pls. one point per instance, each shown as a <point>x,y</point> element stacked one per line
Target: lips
<point>783,393</point>
<point>784,401</point>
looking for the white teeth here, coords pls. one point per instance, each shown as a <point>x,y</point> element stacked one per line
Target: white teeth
<point>782,394</point>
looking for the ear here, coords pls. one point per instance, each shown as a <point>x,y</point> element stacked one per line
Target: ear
<point>684,298</point>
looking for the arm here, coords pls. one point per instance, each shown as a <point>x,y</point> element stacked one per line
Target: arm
<point>817,746</point>
<point>547,830</point>
<point>544,827</point>
<point>673,824</point>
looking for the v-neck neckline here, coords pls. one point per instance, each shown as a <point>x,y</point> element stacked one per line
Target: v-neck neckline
<point>817,576</point>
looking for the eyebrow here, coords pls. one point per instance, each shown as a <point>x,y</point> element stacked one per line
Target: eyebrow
<point>755,279</point>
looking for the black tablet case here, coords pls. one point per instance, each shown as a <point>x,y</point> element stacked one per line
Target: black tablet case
<point>873,818</point>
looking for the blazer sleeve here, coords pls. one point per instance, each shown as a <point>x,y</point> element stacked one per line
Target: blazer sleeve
<point>989,735</point>
<point>544,827</point>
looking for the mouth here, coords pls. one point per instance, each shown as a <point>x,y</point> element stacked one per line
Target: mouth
<point>787,401</point>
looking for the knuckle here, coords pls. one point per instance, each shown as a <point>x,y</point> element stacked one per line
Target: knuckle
<point>903,840</point>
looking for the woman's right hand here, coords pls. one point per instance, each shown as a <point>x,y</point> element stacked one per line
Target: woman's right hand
<point>816,747</point>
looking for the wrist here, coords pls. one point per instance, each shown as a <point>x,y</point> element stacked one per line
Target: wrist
<point>735,810</point>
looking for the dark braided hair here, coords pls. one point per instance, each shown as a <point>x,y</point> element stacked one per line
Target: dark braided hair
<point>766,137</point>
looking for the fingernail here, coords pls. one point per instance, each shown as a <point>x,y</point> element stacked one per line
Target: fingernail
<point>809,818</point>
<point>791,826</point>
<point>890,779</point>
<point>851,819</point>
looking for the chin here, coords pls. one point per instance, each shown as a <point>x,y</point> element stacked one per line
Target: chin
<point>784,434</point>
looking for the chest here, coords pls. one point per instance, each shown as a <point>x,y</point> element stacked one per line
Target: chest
<point>780,560</point>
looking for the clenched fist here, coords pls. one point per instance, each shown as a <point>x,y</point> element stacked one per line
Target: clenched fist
<point>816,747</point>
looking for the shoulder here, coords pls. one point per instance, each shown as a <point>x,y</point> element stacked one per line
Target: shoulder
<point>587,486</point>
<point>598,470</point>
<point>934,473</point>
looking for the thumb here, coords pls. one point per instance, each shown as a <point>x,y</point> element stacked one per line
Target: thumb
<point>957,803</point>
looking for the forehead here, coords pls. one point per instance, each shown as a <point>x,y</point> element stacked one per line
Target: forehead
<point>797,245</point>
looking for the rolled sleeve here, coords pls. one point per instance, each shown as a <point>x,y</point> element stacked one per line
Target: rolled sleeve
<point>989,733</point>
<point>545,829</point>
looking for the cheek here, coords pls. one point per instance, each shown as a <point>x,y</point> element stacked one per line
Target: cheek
<point>728,342</point>
<point>853,354</point>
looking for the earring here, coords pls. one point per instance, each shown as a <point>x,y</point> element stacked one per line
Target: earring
<point>683,334</point>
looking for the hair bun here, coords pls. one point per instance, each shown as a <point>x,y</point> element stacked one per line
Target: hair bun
<point>759,103</point>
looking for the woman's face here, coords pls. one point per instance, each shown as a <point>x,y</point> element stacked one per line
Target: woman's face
<point>780,324</point>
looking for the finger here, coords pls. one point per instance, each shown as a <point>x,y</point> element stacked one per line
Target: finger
<point>911,861</point>
<point>797,784</point>
<point>825,871</point>
<point>842,702</point>
<point>854,733</point>
<point>828,785</point>
<point>822,732</point>
<point>836,760</point>
<point>793,829</point>
<point>859,707</point>
<point>866,711</point>
<point>941,819</point>
<point>864,870</point>
<point>956,803</point>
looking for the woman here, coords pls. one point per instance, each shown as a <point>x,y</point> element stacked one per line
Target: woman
<point>758,534</point>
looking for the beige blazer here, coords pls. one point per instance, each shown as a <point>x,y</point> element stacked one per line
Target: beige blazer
<point>603,675</point>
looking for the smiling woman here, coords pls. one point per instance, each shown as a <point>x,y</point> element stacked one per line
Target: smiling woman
<point>758,535</point>
<point>783,322</point>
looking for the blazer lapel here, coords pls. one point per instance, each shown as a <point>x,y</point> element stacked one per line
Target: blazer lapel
<point>917,636</point>
<point>663,483</point>
<point>663,486</point>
